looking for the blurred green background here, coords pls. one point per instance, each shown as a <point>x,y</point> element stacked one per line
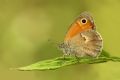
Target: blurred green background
<point>27,25</point>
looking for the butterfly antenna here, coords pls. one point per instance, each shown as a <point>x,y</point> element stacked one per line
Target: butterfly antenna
<point>53,42</point>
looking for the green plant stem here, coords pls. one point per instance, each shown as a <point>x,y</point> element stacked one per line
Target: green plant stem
<point>59,62</point>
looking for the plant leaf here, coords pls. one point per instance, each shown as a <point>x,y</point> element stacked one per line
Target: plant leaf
<point>61,62</point>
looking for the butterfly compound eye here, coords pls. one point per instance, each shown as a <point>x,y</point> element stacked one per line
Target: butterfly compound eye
<point>84,21</point>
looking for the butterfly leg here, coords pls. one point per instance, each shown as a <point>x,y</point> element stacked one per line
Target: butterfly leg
<point>64,55</point>
<point>77,58</point>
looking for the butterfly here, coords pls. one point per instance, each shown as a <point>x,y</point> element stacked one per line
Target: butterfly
<point>82,38</point>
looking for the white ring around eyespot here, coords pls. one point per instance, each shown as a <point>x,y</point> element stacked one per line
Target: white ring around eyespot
<point>83,19</point>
